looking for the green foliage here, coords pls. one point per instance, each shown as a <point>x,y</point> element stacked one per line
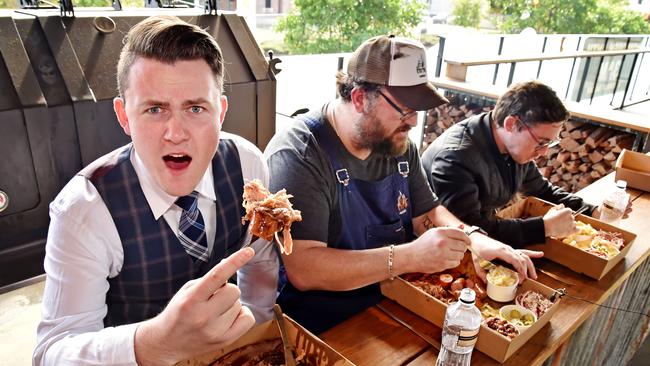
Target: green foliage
<point>618,21</point>
<point>322,26</point>
<point>570,17</point>
<point>429,40</point>
<point>467,13</point>
<point>9,4</point>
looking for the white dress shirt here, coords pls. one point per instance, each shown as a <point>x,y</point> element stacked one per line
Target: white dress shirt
<point>84,249</point>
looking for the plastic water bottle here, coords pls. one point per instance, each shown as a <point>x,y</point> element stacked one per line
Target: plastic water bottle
<point>460,331</point>
<point>615,203</point>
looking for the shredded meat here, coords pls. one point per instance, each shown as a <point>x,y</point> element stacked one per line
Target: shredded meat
<point>464,275</point>
<point>597,253</point>
<point>265,353</point>
<point>613,237</point>
<point>269,213</point>
<point>535,302</point>
<point>502,326</point>
<point>434,290</point>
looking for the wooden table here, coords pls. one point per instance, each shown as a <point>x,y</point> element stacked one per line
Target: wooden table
<point>373,338</point>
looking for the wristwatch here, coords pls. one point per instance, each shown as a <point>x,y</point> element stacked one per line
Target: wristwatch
<point>472,229</point>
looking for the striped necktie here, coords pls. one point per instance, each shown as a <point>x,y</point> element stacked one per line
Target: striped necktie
<point>191,228</point>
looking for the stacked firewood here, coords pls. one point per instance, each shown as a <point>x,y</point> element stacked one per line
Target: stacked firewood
<point>441,118</point>
<point>586,151</point>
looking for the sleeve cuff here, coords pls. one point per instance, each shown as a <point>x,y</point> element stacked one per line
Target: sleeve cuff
<point>533,229</point>
<point>591,208</point>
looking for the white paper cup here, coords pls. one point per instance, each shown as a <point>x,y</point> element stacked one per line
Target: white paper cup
<point>506,310</point>
<point>502,293</point>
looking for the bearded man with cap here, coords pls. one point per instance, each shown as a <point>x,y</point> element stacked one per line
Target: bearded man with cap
<point>368,213</point>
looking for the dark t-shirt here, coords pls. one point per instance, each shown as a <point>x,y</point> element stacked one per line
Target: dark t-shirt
<point>297,163</point>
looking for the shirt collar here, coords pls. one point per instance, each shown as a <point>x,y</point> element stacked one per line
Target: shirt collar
<point>486,126</point>
<point>159,200</point>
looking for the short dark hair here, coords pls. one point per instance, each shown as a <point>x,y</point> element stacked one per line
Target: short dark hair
<point>168,39</point>
<point>345,84</point>
<point>532,102</point>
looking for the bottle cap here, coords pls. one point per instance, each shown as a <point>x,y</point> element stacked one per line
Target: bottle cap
<point>467,295</point>
<point>621,184</point>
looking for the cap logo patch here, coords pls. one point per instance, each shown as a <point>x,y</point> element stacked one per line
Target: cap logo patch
<point>421,68</point>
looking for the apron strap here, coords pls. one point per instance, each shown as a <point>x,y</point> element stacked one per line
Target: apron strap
<point>326,139</point>
<point>402,166</point>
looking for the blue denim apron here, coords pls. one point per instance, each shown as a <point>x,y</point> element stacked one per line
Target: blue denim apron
<point>373,215</point>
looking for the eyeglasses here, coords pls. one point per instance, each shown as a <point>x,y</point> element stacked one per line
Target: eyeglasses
<point>403,115</point>
<point>541,145</point>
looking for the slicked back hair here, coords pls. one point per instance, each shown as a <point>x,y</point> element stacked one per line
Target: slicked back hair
<point>532,102</point>
<point>168,39</point>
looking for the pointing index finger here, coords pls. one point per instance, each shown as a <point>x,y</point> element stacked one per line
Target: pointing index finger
<point>219,274</point>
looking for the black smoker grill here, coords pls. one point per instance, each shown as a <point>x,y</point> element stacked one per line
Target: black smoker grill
<point>57,83</point>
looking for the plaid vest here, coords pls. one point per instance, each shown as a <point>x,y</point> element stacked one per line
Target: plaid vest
<point>155,263</point>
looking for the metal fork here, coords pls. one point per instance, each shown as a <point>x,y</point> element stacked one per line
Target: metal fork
<point>247,240</point>
<point>579,211</point>
<point>484,263</point>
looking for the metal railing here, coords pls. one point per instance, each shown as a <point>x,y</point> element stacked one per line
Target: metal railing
<point>595,58</point>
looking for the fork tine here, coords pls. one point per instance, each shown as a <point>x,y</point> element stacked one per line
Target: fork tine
<point>277,240</point>
<point>248,237</point>
<point>581,210</point>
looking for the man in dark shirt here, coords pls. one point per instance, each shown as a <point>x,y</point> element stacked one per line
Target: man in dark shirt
<point>358,181</point>
<point>480,164</point>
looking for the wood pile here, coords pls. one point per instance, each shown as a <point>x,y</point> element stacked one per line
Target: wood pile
<point>586,151</point>
<point>441,118</point>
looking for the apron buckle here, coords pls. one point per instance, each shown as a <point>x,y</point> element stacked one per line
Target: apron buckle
<point>403,168</point>
<point>343,177</point>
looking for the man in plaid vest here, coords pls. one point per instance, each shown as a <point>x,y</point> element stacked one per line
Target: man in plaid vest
<point>142,241</point>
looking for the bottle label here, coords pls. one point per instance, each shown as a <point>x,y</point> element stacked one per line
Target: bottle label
<point>609,205</point>
<point>468,338</point>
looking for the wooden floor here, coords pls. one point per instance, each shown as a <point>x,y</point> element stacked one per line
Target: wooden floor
<point>20,312</point>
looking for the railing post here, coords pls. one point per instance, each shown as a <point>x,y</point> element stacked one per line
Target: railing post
<point>539,68</point>
<point>583,79</point>
<point>637,75</point>
<point>441,51</point>
<point>618,78</point>
<point>629,80</point>
<point>512,72</point>
<point>566,95</point>
<point>600,65</point>
<point>339,67</point>
<point>496,66</point>
<point>620,70</point>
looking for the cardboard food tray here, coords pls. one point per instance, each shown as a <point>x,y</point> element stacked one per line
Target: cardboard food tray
<point>634,168</point>
<point>564,254</point>
<point>489,341</point>
<point>302,339</point>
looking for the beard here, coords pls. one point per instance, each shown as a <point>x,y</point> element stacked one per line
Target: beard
<point>371,134</point>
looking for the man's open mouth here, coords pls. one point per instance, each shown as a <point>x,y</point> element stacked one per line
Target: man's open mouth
<point>177,161</point>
